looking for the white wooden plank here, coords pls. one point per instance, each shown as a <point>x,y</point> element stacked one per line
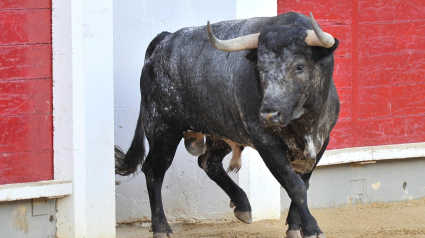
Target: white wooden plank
<point>384,152</point>
<point>43,189</point>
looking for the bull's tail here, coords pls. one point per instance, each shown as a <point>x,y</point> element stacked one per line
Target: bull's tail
<point>126,164</point>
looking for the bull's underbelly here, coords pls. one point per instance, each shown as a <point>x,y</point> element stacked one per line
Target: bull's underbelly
<point>195,145</point>
<point>302,161</point>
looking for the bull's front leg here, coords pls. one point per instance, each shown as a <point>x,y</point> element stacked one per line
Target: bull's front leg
<point>293,220</point>
<point>273,152</point>
<point>211,163</point>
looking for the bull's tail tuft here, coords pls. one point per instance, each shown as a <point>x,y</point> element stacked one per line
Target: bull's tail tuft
<point>126,164</point>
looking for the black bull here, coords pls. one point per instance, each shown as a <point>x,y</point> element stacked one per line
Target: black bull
<point>271,88</point>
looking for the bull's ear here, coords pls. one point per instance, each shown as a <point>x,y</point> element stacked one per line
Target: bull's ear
<point>321,52</point>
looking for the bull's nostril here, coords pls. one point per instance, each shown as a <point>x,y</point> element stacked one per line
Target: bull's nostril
<point>277,117</point>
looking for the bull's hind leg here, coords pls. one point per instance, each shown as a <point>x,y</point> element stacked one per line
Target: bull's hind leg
<point>211,163</point>
<point>162,148</point>
<point>293,219</point>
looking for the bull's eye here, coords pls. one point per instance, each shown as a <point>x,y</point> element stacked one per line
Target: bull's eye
<point>300,68</point>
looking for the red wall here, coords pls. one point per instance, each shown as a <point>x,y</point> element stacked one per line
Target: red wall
<point>26,130</point>
<point>379,68</point>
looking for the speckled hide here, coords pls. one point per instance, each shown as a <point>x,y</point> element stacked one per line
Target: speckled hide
<point>219,93</point>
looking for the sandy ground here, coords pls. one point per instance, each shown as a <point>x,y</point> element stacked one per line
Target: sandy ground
<point>401,219</point>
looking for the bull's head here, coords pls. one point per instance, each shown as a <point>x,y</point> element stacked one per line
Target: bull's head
<point>290,63</point>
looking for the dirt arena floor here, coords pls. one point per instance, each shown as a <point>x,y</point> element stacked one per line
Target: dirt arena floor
<point>401,219</point>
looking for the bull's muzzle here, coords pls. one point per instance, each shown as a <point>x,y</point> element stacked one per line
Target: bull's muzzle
<point>271,118</point>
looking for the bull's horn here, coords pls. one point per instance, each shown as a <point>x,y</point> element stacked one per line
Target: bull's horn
<point>317,37</point>
<point>236,44</point>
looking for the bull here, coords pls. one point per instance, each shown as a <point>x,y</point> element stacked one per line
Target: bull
<point>260,82</point>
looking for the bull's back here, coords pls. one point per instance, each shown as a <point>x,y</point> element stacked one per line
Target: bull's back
<point>154,43</point>
<point>207,89</point>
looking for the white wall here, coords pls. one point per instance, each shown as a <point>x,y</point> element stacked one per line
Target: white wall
<point>188,194</point>
<point>83,116</point>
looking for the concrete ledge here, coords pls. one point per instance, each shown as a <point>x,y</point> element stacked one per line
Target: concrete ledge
<point>43,189</point>
<point>373,153</point>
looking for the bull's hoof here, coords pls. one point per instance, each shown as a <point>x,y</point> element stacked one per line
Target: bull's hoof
<point>293,234</point>
<point>322,235</point>
<point>245,217</point>
<point>163,235</point>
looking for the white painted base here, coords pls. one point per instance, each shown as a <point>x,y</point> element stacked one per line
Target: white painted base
<point>370,153</point>
<point>42,189</point>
